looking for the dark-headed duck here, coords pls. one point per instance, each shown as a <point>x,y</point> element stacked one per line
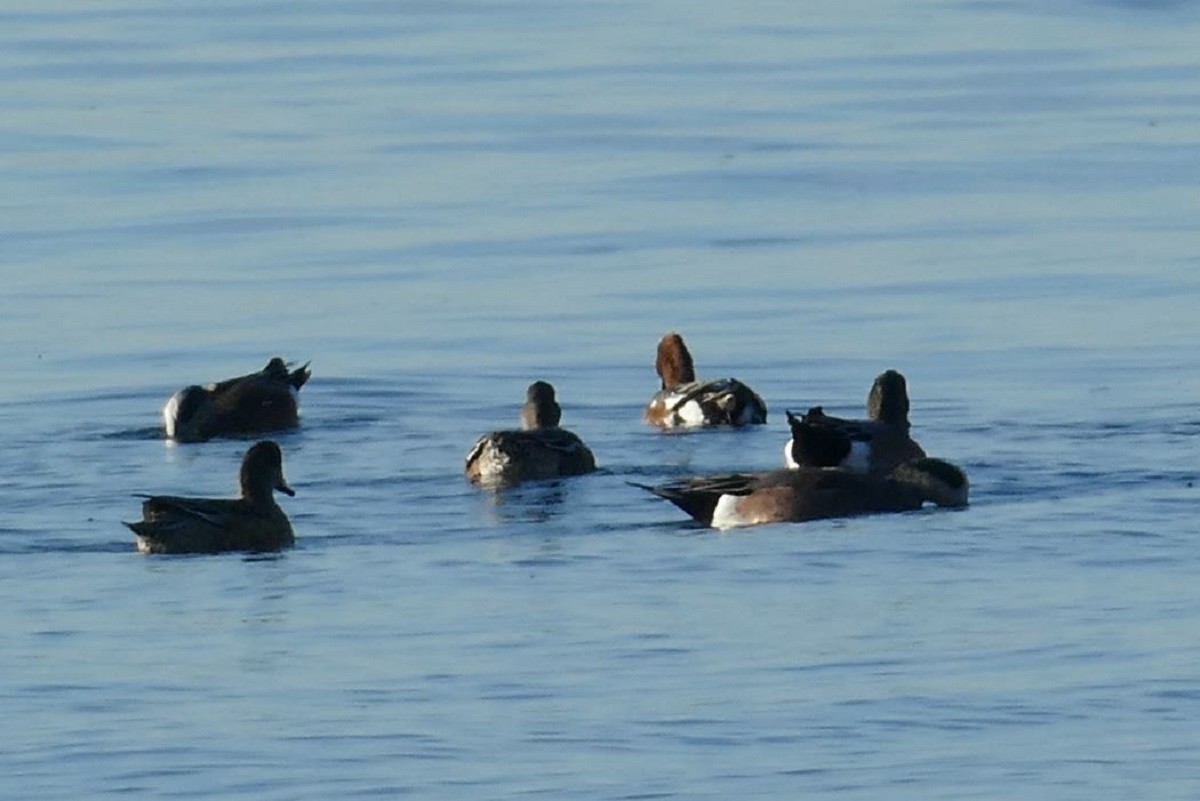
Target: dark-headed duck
<point>253,522</point>
<point>250,404</point>
<point>539,450</point>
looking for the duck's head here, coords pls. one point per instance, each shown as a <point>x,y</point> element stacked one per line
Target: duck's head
<point>888,401</point>
<point>541,410</point>
<point>187,413</point>
<point>935,480</point>
<point>262,471</point>
<point>674,362</point>
<point>277,369</point>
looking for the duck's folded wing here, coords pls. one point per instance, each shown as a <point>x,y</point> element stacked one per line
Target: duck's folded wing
<point>221,387</point>
<point>725,400</point>
<point>275,373</point>
<point>557,439</point>
<point>722,483</point>
<point>698,496</point>
<point>704,393</point>
<point>163,509</point>
<point>716,485</point>
<point>857,430</point>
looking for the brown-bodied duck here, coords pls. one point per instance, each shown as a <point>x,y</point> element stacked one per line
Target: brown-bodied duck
<point>875,445</point>
<point>267,400</point>
<point>253,522</point>
<point>539,450</point>
<point>684,402</point>
<point>807,493</point>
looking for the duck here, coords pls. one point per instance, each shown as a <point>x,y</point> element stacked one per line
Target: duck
<point>808,493</point>
<point>541,449</point>
<point>254,522</point>
<point>876,445</point>
<point>684,402</point>
<point>260,402</point>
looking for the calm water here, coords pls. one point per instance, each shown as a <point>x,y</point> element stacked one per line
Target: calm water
<point>438,203</point>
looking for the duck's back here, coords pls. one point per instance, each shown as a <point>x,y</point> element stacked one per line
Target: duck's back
<point>515,455</point>
<point>725,401</point>
<point>817,494</point>
<point>256,406</point>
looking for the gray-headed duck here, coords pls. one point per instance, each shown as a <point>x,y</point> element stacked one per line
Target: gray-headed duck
<point>253,522</point>
<point>539,450</point>
<point>684,402</point>
<point>875,445</point>
<point>732,500</point>
<point>250,404</point>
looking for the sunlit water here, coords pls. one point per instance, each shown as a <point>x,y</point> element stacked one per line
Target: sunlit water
<point>440,202</point>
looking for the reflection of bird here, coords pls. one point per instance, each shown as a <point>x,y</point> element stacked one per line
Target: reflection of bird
<point>253,522</point>
<point>684,402</point>
<point>538,450</point>
<point>250,404</point>
<point>875,445</point>
<point>806,493</point>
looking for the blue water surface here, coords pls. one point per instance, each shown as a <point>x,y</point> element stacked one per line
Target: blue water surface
<point>438,203</point>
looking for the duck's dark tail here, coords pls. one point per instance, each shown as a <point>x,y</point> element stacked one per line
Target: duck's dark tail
<point>300,375</point>
<point>698,504</point>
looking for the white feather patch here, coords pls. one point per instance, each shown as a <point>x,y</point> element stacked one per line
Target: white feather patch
<point>726,514</point>
<point>170,414</point>
<point>691,414</point>
<point>791,463</point>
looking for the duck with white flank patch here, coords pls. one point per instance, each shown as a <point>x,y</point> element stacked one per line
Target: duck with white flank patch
<point>539,450</point>
<point>267,400</point>
<point>684,402</point>
<point>807,493</point>
<point>875,445</point>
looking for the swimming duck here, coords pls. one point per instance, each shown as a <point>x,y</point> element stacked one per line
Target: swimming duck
<point>250,404</point>
<point>684,402</point>
<point>539,450</point>
<point>807,493</point>
<point>875,445</point>
<point>253,522</point>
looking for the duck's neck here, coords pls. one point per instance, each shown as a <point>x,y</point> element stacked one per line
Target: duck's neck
<point>888,401</point>
<point>546,414</point>
<point>674,364</point>
<point>259,492</point>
